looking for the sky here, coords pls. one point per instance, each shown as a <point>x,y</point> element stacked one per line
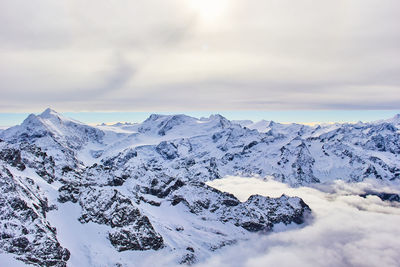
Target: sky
<point>199,55</point>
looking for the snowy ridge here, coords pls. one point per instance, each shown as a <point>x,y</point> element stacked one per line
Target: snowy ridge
<point>142,185</point>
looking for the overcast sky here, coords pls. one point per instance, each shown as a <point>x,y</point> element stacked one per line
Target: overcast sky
<point>199,55</point>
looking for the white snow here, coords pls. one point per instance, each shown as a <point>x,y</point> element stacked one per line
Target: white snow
<point>8,260</point>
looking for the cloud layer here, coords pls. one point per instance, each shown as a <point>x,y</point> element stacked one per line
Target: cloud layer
<point>199,55</point>
<point>346,230</point>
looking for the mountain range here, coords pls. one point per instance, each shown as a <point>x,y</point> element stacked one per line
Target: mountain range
<point>73,194</point>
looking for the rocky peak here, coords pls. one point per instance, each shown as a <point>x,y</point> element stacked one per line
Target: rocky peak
<point>49,113</point>
<point>221,121</point>
<point>162,124</point>
<point>395,120</point>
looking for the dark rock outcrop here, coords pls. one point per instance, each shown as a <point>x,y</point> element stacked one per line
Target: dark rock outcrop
<point>24,230</point>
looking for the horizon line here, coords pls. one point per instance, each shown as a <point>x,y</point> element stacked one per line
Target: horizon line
<point>305,117</point>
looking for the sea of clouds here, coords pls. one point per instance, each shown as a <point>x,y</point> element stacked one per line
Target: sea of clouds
<point>344,229</point>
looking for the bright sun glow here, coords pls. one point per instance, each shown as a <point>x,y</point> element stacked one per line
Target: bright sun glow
<point>209,10</point>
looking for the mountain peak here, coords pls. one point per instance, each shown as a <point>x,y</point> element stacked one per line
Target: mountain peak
<point>221,120</point>
<point>395,120</point>
<point>33,119</point>
<point>49,113</point>
<point>52,115</point>
<point>154,117</point>
<point>217,117</point>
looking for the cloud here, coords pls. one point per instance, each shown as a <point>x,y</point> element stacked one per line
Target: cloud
<point>85,83</point>
<point>256,54</point>
<point>346,230</point>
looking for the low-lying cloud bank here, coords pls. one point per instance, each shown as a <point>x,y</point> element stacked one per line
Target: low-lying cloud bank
<point>346,229</point>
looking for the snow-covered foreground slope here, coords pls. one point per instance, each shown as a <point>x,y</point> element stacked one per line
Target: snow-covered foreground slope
<point>130,194</point>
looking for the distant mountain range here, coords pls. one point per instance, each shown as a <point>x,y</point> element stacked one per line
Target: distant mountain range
<point>141,187</point>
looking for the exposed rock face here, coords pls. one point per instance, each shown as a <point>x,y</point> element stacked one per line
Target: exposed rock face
<point>131,230</point>
<point>258,213</point>
<point>167,150</point>
<point>69,192</point>
<point>138,236</point>
<point>392,197</point>
<point>12,157</point>
<point>24,229</point>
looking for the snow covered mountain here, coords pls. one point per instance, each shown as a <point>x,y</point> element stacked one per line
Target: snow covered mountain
<point>133,191</point>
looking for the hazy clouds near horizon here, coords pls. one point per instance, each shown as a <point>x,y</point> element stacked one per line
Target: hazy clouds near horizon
<point>199,55</point>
